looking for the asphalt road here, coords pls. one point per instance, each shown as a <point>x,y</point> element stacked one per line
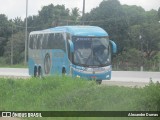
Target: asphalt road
<point>132,78</point>
<point>15,72</point>
<point>120,78</point>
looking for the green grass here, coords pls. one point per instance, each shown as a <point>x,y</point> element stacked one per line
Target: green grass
<point>74,94</point>
<point>13,66</point>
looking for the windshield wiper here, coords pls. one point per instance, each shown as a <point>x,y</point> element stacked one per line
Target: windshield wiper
<point>84,65</point>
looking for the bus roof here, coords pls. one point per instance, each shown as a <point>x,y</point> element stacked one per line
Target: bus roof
<point>80,30</point>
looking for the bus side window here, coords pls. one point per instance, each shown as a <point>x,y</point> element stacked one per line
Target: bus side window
<point>59,42</point>
<point>35,42</point>
<point>45,41</point>
<point>50,44</point>
<point>70,55</point>
<point>55,45</point>
<point>39,41</point>
<point>31,42</point>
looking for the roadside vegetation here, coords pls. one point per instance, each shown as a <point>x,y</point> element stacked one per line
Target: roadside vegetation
<point>13,66</point>
<point>75,94</point>
<point>4,64</point>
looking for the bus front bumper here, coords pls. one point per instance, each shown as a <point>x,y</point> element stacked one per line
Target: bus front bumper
<point>103,74</point>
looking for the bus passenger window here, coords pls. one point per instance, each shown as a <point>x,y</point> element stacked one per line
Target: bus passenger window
<point>45,41</point>
<point>51,41</point>
<point>31,42</point>
<point>59,42</point>
<point>39,41</point>
<point>35,42</point>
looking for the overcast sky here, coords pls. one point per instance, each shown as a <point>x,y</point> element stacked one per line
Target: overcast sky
<point>17,8</point>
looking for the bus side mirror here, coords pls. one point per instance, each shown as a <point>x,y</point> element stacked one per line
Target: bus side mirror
<point>114,46</point>
<point>71,46</point>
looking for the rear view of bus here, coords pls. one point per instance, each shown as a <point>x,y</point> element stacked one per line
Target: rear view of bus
<point>87,52</point>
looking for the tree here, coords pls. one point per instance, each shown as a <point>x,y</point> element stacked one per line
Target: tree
<point>34,23</point>
<point>18,48</point>
<point>17,24</point>
<point>158,14</point>
<point>75,15</point>
<point>151,39</point>
<point>134,36</point>
<point>134,14</point>
<point>53,15</point>
<point>151,16</point>
<point>5,32</point>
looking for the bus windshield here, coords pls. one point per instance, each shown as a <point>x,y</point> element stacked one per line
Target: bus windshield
<point>91,51</point>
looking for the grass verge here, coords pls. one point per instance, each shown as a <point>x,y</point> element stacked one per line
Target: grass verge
<point>74,94</point>
<point>13,66</point>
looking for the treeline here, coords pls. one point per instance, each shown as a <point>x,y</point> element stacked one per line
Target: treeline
<point>135,31</point>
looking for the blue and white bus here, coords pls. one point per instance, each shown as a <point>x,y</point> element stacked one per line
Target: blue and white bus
<point>80,51</point>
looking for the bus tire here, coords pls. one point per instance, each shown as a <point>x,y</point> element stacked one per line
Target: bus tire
<point>63,71</point>
<point>35,71</point>
<point>99,82</point>
<point>39,72</point>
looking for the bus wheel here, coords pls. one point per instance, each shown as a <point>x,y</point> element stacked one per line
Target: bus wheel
<point>63,71</point>
<point>35,71</point>
<point>98,82</point>
<point>40,72</point>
